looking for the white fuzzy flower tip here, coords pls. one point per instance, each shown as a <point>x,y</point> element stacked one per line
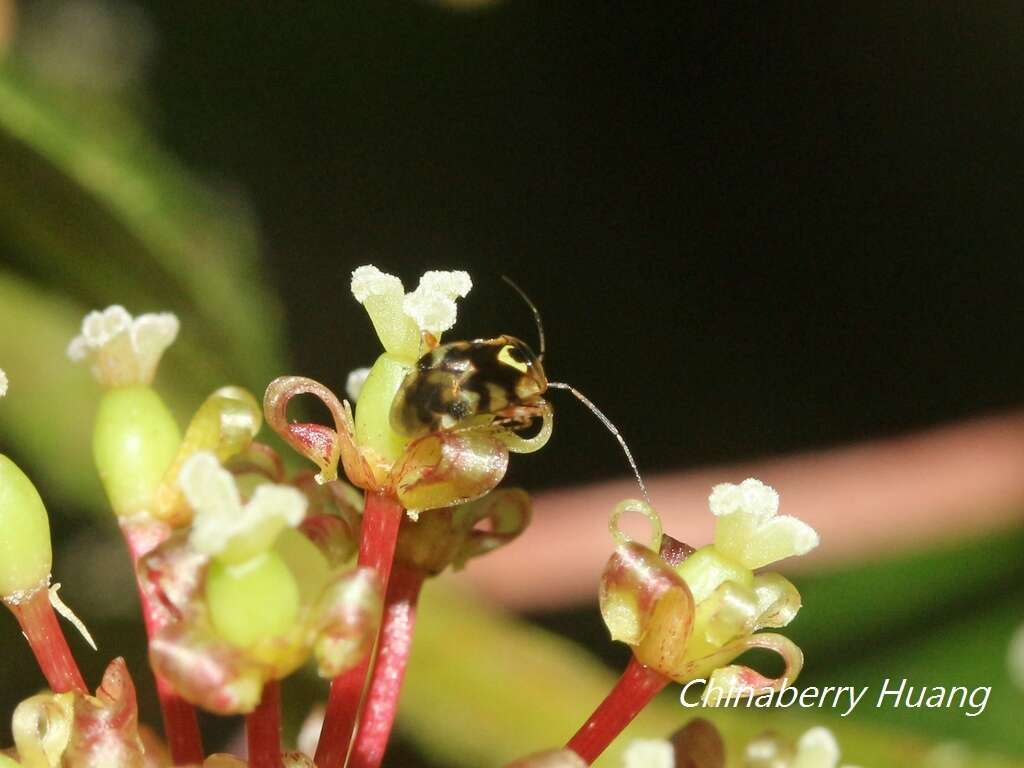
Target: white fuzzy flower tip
<point>3,383</point>
<point>817,749</point>
<point>649,753</point>
<point>354,383</point>
<point>749,528</point>
<point>432,304</point>
<point>223,526</point>
<point>400,318</point>
<point>123,350</point>
<point>369,281</point>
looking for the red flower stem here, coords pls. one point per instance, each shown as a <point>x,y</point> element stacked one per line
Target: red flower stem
<point>181,727</point>
<point>382,516</point>
<point>39,623</point>
<point>633,691</point>
<point>263,729</point>
<point>394,645</point>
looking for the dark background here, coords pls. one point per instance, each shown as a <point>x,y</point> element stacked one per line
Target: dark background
<point>751,228</point>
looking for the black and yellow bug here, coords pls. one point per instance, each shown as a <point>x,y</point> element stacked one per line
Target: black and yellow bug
<point>461,379</point>
<point>486,382</point>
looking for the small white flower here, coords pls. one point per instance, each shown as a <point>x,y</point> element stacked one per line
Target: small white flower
<point>123,350</point>
<point>749,528</point>
<point>354,383</point>
<point>3,383</point>
<point>649,753</point>
<point>223,527</point>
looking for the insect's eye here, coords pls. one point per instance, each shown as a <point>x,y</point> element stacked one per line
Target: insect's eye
<point>514,357</point>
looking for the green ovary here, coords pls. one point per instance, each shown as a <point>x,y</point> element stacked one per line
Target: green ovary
<point>373,411</point>
<point>134,442</point>
<point>252,601</point>
<point>25,555</point>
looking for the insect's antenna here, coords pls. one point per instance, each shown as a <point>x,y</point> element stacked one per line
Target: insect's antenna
<point>533,308</point>
<point>611,428</point>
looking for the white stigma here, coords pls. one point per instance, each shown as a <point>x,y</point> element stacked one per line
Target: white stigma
<point>432,304</point>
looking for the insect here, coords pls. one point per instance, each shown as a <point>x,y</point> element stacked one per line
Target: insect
<point>485,382</point>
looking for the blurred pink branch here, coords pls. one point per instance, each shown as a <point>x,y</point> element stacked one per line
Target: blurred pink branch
<point>865,499</point>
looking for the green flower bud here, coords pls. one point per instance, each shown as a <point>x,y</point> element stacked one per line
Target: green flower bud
<point>25,555</point>
<point>134,442</point>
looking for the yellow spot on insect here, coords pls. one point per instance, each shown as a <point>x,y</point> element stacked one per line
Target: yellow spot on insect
<point>505,357</point>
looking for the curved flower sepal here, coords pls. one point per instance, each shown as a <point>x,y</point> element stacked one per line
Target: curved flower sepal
<point>453,535</point>
<point>441,469</point>
<point>224,425</point>
<point>646,605</point>
<point>728,680</point>
<point>322,445</point>
<point>81,731</point>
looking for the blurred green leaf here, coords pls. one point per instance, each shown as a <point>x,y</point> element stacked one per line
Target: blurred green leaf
<point>92,214</point>
<point>940,617</point>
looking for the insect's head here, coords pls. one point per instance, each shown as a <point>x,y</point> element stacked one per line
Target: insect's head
<point>531,382</point>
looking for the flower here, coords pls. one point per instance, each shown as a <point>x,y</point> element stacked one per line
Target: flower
<point>123,350</point>
<point>443,468</point>
<point>250,593</point>
<point>3,383</point>
<point>688,613</point>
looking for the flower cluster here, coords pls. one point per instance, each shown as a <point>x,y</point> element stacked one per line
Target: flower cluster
<point>688,613</point>
<point>247,572</point>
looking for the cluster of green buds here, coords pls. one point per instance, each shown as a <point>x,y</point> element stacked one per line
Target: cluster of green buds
<point>236,593</point>
<point>64,726</point>
<point>688,613</point>
<point>440,469</point>
<point>256,586</point>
